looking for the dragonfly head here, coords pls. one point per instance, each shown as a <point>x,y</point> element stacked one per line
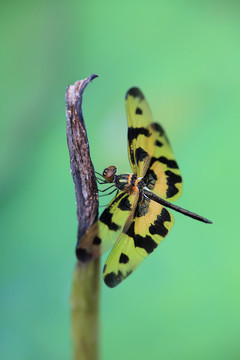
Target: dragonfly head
<point>109,173</point>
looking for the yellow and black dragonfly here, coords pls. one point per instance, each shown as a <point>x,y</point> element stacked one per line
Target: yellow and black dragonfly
<point>137,219</point>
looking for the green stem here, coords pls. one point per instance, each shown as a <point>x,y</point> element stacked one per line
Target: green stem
<point>85,287</point>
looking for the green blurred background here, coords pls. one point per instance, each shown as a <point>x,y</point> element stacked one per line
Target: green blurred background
<point>183,301</point>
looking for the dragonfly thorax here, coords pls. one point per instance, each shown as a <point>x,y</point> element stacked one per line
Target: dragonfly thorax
<point>125,182</point>
<point>128,182</point>
<point>122,181</point>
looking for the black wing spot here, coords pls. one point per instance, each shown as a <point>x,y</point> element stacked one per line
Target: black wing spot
<point>138,111</point>
<point>172,180</point>
<point>117,198</point>
<point>157,127</point>
<point>112,279</point>
<point>133,133</point>
<point>158,227</point>
<point>124,259</point>
<point>146,243</point>
<point>170,163</point>
<point>97,240</point>
<point>106,218</point>
<point>153,160</point>
<point>158,143</point>
<point>135,92</point>
<point>124,204</point>
<point>130,232</point>
<point>165,215</point>
<point>83,255</point>
<point>140,154</point>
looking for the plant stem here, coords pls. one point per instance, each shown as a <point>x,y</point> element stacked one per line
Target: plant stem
<point>85,287</point>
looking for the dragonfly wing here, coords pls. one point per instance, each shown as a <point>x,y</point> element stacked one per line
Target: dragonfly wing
<point>163,175</point>
<point>151,224</point>
<point>140,135</point>
<point>149,151</point>
<point>104,233</point>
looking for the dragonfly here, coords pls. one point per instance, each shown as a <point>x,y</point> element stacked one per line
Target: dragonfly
<point>138,218</point>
